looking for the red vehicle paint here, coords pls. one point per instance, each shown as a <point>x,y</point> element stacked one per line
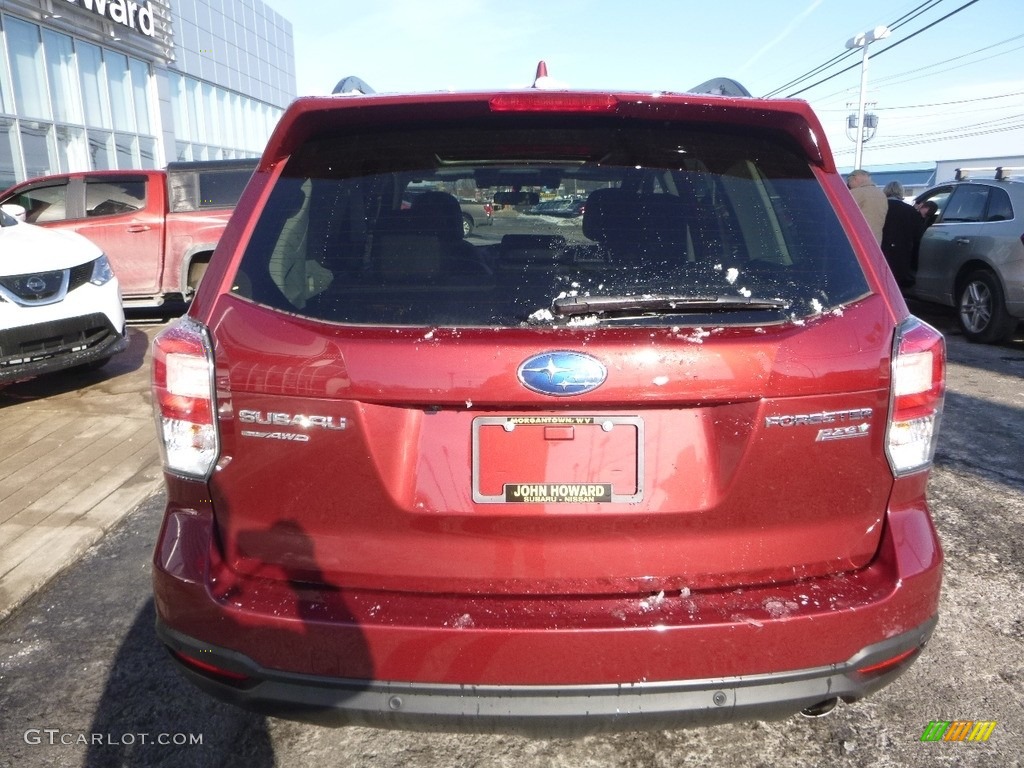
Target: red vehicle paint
<point>660,466</point>
<point>159,228</point>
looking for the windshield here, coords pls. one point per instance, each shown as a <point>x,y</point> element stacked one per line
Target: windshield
<point>651,224</point>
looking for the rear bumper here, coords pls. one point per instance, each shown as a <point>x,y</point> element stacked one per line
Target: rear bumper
<point>575,663</point>
<point>557,710</point>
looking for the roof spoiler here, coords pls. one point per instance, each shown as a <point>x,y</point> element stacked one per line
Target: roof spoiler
<point>353,84</point>
<point>721,86</point>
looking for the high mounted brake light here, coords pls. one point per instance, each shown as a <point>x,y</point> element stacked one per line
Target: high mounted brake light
<point>183,399</point>
<point>553,101</point>
<point>918,388</point>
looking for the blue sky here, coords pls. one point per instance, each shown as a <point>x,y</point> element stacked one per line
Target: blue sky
<point>953,91</point>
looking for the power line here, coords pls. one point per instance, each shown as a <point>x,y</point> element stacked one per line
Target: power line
<point>951,135</point>
<point>901,77</point>
<point>885,82</point>
<point>910,15</point>
<point>934,104</point>
<point>886,49</point>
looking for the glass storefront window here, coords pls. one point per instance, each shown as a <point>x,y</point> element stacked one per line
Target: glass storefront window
<point>265,119</point>
<point>249,138</point>
<point>101,151</point>
<point>238,137</point>
<point>37,148</point>
<point>5,88</point>
<point>140,93</point>
<point>196,125</point>
<point>94,85</point>
<point>211,113</point>
<point>8,153</point>
<point>124,145</point>
<point>120,82</point>
<point>227,135</point>
<point>26,53</point>
<point>72,152</point>
<point>147,152</point>
<point>60,66</point>
<point>71,105</point>
<point>179,104</point>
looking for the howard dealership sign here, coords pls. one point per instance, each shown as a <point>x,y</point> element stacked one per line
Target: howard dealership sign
<point>131,14</point>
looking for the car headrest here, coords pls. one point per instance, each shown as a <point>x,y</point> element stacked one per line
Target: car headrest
<point>611,215</point>
<point>437,213</point>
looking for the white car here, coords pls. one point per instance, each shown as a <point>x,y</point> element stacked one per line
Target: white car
<point>60,303</point>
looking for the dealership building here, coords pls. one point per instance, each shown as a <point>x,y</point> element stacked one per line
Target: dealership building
<point>112,84</point>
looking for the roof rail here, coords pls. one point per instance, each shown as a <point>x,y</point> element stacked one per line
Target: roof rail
<point>998,172</point>
<point>721,86</point>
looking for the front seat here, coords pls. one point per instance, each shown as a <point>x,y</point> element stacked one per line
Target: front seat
<point>438,214</point>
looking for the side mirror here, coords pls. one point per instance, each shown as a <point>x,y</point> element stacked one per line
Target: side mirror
<point>12,209</point>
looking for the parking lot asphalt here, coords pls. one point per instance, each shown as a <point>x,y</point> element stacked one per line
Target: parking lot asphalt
<point>78,451</point>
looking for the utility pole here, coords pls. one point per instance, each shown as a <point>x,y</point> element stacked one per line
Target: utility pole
<point>862,41</point>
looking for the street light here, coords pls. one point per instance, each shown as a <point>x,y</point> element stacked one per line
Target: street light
<point>863,41</point>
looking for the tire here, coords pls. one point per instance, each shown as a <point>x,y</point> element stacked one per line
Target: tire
<point>981,309</point>
<point>467,225</point>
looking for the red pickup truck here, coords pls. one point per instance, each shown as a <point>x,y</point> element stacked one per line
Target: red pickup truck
<point>158,228</point>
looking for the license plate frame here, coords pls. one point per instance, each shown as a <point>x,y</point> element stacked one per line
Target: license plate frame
<point>621,481</point>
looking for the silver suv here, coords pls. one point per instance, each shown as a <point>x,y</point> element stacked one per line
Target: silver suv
<point>972,256</point>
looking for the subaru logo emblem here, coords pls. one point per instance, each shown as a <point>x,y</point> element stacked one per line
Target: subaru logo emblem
<point>35,284</point>
<point>562,373</point>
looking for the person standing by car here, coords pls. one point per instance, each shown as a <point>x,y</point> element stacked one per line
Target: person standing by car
<point>901,235</point>
<point>870,199</point>
<point>928,210</point>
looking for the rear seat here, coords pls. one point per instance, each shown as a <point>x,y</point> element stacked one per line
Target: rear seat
<point>424,243</point>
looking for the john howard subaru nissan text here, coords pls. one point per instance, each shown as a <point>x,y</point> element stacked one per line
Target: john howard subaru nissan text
<point>659,465</point>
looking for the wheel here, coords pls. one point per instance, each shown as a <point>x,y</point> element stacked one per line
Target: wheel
<point>981,309</point>
<point>467,225</point>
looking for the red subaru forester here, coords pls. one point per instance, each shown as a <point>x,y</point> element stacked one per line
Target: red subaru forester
<point>658,465</point>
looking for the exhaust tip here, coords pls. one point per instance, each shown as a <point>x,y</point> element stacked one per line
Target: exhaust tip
<point>820,709</point>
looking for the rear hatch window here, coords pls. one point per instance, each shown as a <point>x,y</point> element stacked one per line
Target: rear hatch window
<point>675,223</point>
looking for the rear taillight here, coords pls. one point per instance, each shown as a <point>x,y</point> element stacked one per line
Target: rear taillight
<point>183,399</point>
<point>918,386</point>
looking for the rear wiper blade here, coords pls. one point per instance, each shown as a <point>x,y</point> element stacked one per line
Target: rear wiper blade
<point>661,304</point>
